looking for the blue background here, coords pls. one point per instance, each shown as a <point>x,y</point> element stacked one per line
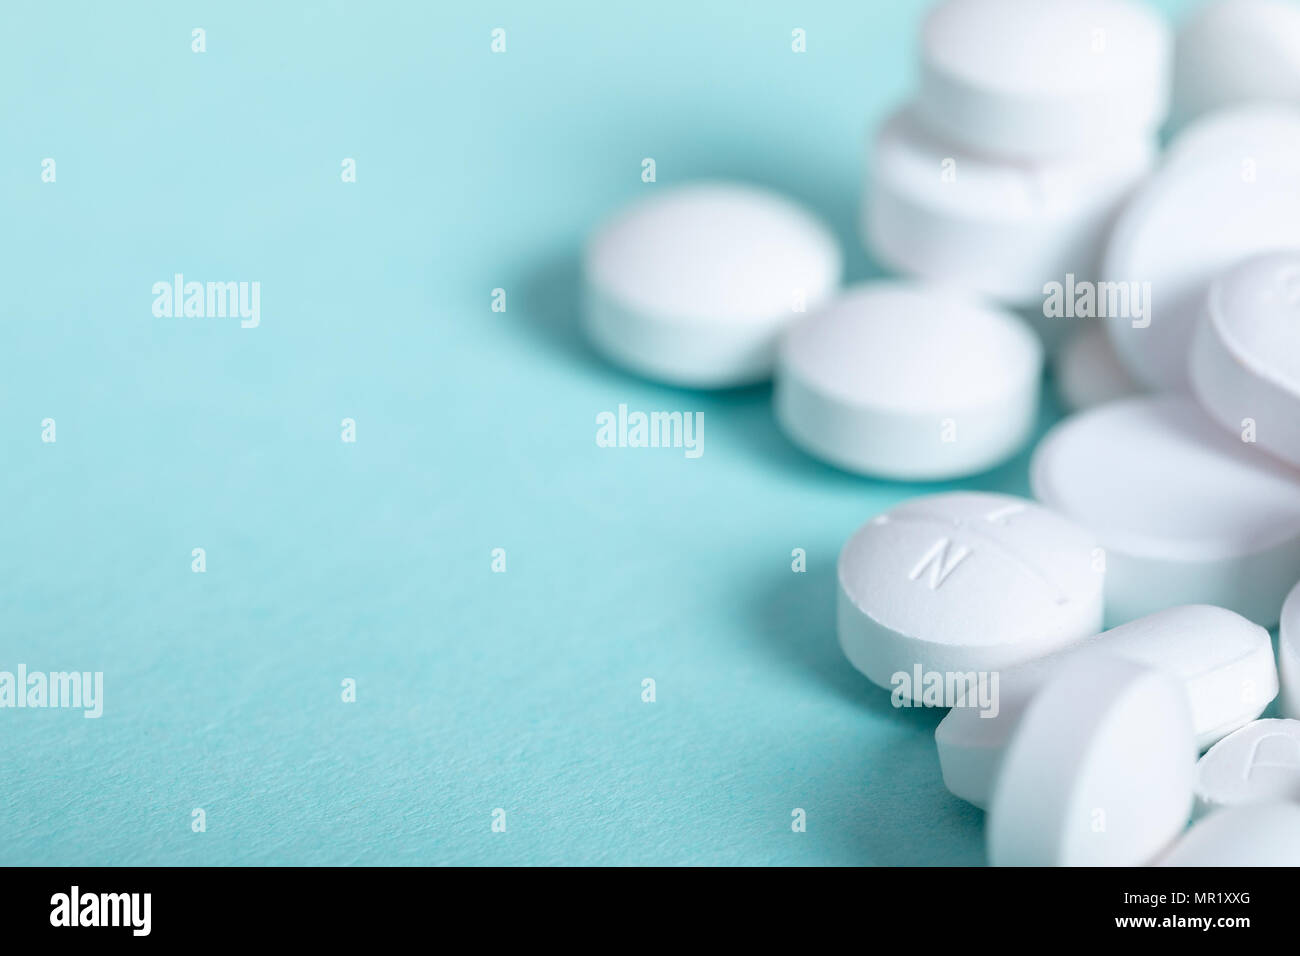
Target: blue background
<point>475,430</point>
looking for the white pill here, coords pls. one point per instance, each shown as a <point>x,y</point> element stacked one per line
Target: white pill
<point>1288,653</point>
<point>961,582</point>
<point>1260,763</point>
<point>1245,358</point>
<point>1237,51</point>
<point>1025,79</point>
<point>1223,661</point>
<point>1087,371</point>
<point>998,228</point>
<point>1264,835</point>
<point>1246,129</point>
<point>1187,513</point>
<point>1228,190</point>
<point>1099,771</point>
<point>909,381</point>
<point>694,285</point>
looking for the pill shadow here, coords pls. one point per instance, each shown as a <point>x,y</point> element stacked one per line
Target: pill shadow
<point>793,619</point>
<point>900,785</point>
<point>550,291</point>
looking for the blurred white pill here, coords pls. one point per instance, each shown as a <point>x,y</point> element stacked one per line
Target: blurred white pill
<point>1187,513</point>
<point>1223,662</point>
<point>1237,51</point>
<point>908,381</point>
<point>998,228</point>
<point>1249,128</point>
<point>961,582</point>
<point>1288,653</point>
<point>1232,190</point>
<point>1261,835</point>
<point>694,285</point>
<point>1099,771</point>
<point>1028,79</point>
<point>1087,371</point>
<point>1245,357</point>
<point>1260,763</point>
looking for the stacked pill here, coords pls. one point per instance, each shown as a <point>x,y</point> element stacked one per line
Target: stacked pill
<point>1032,123</point>
<point>1167,504</point>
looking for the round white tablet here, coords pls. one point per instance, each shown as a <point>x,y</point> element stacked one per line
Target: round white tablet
<point>959,582</point>
<point>1265,835</point>
<point>1231,191</point>
<point>1237,51</point>
<point>1187,513</point>
<point>1024,79</point>
<point>1223,662</point>
<point>1245,358</point>
<point>1087,371</point>
<point>1288,653</point>
<point>694,285</point>
<point>1260,763</point>
<point>1099,772</point>
<point>997,228</point>
<point>908,381</point>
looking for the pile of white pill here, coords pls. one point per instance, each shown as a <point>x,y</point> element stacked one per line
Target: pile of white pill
<point>1021,191</point>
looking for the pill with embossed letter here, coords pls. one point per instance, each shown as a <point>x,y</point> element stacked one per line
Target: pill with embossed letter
<point>963,582</point>
<point>1259,763</point>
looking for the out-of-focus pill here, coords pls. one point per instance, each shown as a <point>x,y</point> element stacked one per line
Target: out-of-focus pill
<point>909,381</point>
<point>1099,771</point>
<point>1245,357</point>
<point>1026,79</point>
<point>694,285</point>
<point>1288,653</point>
<point>998,228</point>
<point>963,582</point>
<point>1260,763</point>
<point>1087,371</point>
<point>1249,129</point>
<point>1230,192</point>
<point>1187,513</point>
<point>1223,662</point>
<point>1237,51</point>
<point>1260,835</point>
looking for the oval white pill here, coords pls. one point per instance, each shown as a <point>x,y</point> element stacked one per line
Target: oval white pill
<point>1187,513</point>
<point>1223,662</point>
<point>1245,358</point>
<point>959,582</point>
<point>1088,372</point>
<point>1023,78</point>
<point>1233,191</point>
<point>694,285</point>
<point>1099,771</point>
<point>1264,835</point>
<point>908,381</point>
<point>1259,763</point>
<point>1288,653</point>
<point>1237,51</point>
<point>997,228</point>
